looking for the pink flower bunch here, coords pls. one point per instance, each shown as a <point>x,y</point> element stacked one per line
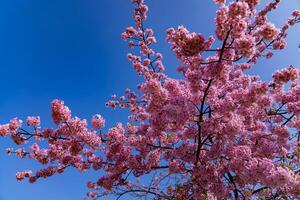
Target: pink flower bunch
<point>185,43</point>
<point>4,129</point>
<point>245,46</point>
<point>129,32</point>
<point>268,31</point>
<point>60,112</point>
<point>90,138</point>
<point>98,122</point>
<point>140,12</point>
<point>15,123</point>
<point>252,3</point>
<point>234,18</point>
<point>22,175</point>
<point>283,76</point>
<point>279,44</point>
<point>33,121</point>
<point>20,152</point>
<point>220,2</point>
<point>44,173</point>
<point>238,9</point>
<point>296,13</point>
<point>142,38</point>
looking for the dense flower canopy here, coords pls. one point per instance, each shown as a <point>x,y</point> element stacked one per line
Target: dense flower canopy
<point>217,133</point>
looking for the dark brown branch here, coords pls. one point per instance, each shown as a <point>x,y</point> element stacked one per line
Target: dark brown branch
<point>200,118</point>
<point>160,147</point>
<point>259,190</point>
<point>142,191</point>
<point>289,119</point>
<point>223,46</point>
<point>236,190</point>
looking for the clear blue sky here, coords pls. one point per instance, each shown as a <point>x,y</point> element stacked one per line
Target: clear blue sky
<point>71,49</point>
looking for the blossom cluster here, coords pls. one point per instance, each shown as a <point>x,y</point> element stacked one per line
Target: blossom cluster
<point>215,133</point>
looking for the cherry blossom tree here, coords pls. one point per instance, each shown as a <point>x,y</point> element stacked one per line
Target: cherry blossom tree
<point>217,133</point>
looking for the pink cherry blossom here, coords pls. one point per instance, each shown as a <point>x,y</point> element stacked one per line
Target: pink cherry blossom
<point>245,46</point>
<point>219,1</point>
<point>15,123</point>
<point>214,133</point>
<point>33,121</point>
<point>269,31</point>
<point>60,112</point>
<point>98,122</point>
<point>4,129</point>
<point>22,175</point>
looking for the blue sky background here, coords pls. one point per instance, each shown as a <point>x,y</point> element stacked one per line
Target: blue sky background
<point>71,49</point>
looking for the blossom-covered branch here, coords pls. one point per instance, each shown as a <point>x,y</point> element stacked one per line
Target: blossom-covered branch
<point>217,133</point>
